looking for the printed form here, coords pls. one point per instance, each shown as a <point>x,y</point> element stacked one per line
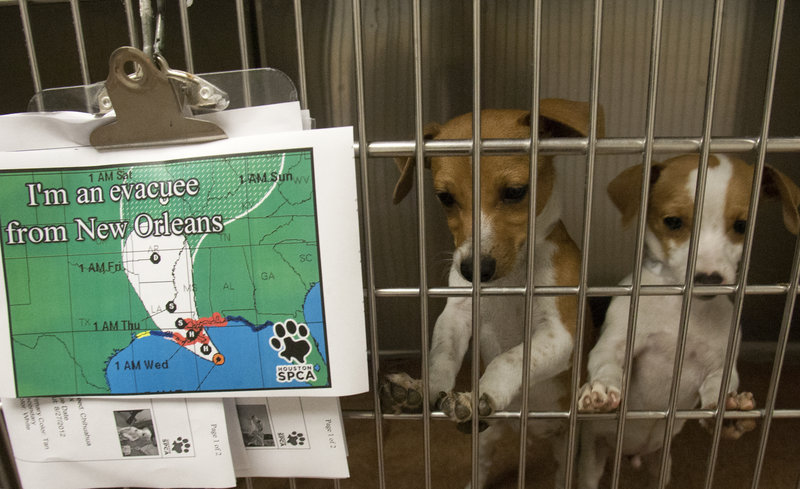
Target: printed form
<point>287,437</point>
<point>134,442</point>
<point>173,442</point>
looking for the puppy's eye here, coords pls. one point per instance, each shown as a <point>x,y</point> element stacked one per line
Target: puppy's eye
<point>512,195</point>
<point>446,198</point>
<point>739,226</point>
<point>673,223</point>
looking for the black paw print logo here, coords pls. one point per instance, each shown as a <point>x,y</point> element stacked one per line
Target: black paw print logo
<point>181,445</point>
<point>290,340</point>
<point>296,439</point>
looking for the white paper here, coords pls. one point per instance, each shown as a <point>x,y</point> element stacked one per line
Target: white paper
<point>74,443</point>
<point>287,437</point>
<point>106,301</point>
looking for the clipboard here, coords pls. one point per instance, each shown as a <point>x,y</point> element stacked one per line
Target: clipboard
<point>147,108</point>
<point>176,257</point>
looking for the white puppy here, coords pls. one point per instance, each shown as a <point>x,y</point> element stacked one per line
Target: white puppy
<point>669,223</point>
<point>505,190</point>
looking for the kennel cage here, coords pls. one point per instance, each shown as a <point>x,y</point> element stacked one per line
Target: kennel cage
<point>673,77</point>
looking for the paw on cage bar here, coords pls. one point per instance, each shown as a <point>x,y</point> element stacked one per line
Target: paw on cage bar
<point>552,301</point>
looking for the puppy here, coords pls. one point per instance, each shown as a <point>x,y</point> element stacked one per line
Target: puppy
<point>669,224</point>
<point>505,190</point>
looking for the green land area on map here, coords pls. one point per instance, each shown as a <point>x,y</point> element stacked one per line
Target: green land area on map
<point>71,305</point>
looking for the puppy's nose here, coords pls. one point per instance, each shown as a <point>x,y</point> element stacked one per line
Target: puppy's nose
<point>712,278</point>
<point>488,266</point>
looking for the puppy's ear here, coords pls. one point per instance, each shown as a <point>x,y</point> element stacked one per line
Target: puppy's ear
<point>626,190</point>
<point>775,184</point>
<point>567,118</point>
<point>406,166</point>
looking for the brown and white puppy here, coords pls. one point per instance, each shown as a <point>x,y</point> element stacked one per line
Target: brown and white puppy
<point>670,214</point>
<point>505,190</point>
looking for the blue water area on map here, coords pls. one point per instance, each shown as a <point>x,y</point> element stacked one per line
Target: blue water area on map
<point>155,363</point>
<point>312,310</point>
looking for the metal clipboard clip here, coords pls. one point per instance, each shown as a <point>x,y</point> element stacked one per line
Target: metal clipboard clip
<point>149,110</point>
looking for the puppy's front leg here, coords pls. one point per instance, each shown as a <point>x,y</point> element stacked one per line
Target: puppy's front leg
<point>450,341</point>
<point>399,392</point>
<point>602,392</point>
<point>709,389</point>
<point>709,393</point>
<point>551,347</point>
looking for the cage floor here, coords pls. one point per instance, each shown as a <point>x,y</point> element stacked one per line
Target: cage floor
<point>450,451</point>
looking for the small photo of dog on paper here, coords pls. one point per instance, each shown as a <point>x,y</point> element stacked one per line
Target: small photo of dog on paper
<point>136,433</point>
<point>254,422</point>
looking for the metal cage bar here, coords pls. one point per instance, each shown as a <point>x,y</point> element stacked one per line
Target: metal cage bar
<point>699,197</point>
<point>641,225</point>
<point>795,273</point>
<point>476,230</point>
<point>301,53</point>
<point>735,335</point>
<point>679,414</point>
<point>531,252</point>
<point>777,365</point>
<point>186,36</point>
<point>591,155</point>
<point>592,291</point>
<point>244,52</point>
<point>416,21</point>
<point>371,302</point>
<point>133,37</point>
<point>79,38</point>
<point>76,20</point>
<point>568,146</point>
<point>32,60</point>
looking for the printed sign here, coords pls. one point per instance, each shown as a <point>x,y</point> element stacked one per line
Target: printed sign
<point>137,272</point>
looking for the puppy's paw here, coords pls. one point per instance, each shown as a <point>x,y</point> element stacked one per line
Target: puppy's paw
<point>458,407</point>
<point>597,397</point>
<point>400,393</point>
<point>733,429</point>
<point>744,401</point>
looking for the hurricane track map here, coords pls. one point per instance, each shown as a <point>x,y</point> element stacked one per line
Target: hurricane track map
<point>176,276</point>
